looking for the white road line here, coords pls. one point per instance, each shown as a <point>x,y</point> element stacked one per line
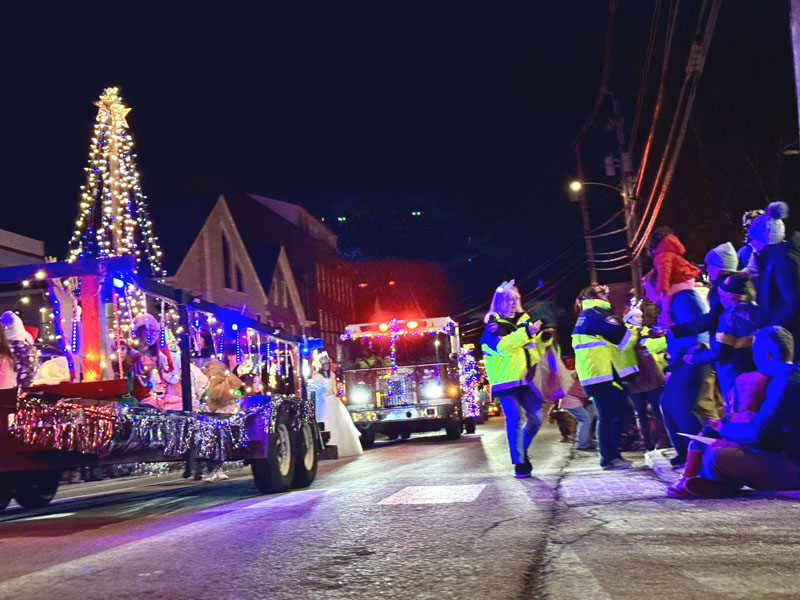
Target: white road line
<point>435,494</point>
<point>43,517</point>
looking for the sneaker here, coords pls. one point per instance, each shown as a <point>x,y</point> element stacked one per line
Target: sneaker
<point>706,488</point>
<point>528,465</point>
<point>221,476</point>
<point>589,448</point>
<point>198,476</point>
<point>565,439</point>
<point>214,476</point>
<point>617,465</point>
<point>521,471</point>
<point>679,491</point>
<point>677,461</point>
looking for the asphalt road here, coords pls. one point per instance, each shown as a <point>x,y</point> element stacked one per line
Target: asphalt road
<point>422,518</point>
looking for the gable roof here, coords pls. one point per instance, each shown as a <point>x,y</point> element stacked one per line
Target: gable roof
<point>263,254</point>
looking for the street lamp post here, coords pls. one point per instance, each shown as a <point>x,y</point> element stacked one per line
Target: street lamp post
<point>576,189</point>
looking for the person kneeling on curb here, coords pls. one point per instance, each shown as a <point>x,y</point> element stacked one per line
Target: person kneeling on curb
<point>764,453</point>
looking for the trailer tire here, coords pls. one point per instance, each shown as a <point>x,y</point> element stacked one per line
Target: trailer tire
<point>453,429</point>
<point>37,489</point>
<point>469,426</point>
<point>274,474</point>
<point>367,436</point>
<point>306,456</point>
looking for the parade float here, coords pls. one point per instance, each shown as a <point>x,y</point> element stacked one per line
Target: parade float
<point>127,369</point>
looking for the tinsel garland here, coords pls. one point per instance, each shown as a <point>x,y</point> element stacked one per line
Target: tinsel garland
<point>106,430</point>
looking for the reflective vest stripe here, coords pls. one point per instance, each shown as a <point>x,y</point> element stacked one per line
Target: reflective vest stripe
<point>531,346</point>
<point>598,379</point>
<point>509,384</point>
<point>594,344</point>
<point>624,341</point>
<point>628,371</point>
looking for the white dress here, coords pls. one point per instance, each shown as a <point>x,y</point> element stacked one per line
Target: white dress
<point>335,416</point>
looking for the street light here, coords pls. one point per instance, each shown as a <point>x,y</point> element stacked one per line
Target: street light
<point>576,194</point>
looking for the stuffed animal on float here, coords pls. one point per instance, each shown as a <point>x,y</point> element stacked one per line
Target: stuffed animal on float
<point>221,395</point>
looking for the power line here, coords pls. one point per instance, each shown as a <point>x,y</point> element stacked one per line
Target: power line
<point>645,72</point>
<point>601,93</point>
<point>695,65</point>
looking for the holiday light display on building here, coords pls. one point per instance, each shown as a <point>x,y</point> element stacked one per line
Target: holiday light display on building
<point>113,218</point>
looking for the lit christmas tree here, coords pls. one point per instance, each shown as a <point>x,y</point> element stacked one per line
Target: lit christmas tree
<point>113,219</point>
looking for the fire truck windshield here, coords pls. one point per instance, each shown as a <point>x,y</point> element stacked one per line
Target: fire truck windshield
<point>375,352</point>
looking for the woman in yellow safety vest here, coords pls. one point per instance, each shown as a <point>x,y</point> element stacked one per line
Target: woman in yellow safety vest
<point>511,345</point>
<point>603,359</point>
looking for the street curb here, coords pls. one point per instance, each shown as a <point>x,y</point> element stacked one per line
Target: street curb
<point>658,461</point>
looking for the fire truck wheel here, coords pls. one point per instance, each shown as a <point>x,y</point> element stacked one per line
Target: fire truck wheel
<point>469,426</point>
<point>37,489</point>
<point>275,473</point>
<point>453,429</point>
<point>306,452</point>
<point>367,436</point>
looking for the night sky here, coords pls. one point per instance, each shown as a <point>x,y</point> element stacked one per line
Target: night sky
<point>463,110</point>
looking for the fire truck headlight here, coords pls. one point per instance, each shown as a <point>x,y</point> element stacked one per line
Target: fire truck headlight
<point>359,395</point>
<point>432,391</point>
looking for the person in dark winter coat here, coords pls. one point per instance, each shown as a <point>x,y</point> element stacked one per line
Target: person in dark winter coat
<point>778,261</point>
<point>685,384</point>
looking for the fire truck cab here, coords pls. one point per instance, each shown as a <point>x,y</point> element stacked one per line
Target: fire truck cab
<point>401,377</point>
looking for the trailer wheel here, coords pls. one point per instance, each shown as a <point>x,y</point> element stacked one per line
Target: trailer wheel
<point>453,429</point>
<point>367,436</point>
<point>306,456</point>
<point>469,426</point>
<point>275,473</point>
<point>37,489</point>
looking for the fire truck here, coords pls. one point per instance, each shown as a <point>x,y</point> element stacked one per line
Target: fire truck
<point>402,377</point>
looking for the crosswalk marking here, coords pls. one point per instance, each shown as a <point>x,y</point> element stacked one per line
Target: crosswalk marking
<point>435,494</point>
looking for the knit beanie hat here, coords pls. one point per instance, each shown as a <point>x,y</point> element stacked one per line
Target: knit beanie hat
<point>633,311</point>
<point>769,228</point>
<point>737,287</point>
<point>723,257</point>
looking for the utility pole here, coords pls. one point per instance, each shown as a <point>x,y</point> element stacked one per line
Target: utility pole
<point>587,233</point>
<point>629,202</point>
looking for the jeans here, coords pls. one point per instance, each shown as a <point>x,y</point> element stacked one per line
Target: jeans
<point>610,401</point>
<point>524,415</point>
<point>584,415</point>
<point>758,469</point>
<point>679,403</point>
<point>640,402</point>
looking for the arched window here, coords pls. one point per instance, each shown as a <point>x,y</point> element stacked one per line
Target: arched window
<point>226,262</point>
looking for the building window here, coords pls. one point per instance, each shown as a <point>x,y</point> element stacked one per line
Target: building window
<point>226,262</point>
<point>285,295</point>
<point>239,280</point>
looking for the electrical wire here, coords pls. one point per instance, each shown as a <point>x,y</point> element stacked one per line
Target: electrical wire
<point>601,93</point>
<point>696,64</point>
<point>670,31</point>
<point>645,72</point>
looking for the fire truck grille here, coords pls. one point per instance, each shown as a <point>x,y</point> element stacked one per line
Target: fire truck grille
<point>400,392</point>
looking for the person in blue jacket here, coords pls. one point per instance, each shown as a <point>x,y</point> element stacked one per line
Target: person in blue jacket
<point>763,453</point>
<point>685,382</point>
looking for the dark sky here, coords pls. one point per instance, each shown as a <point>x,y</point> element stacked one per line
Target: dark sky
<point>464,109</point>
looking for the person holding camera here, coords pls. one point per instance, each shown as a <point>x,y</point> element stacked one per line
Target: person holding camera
<point>511,344</point>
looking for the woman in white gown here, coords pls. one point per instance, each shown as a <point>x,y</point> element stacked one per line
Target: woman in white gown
<point>332,412</point>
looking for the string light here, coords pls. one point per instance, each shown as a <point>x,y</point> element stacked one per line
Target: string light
<point>112,213</point>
